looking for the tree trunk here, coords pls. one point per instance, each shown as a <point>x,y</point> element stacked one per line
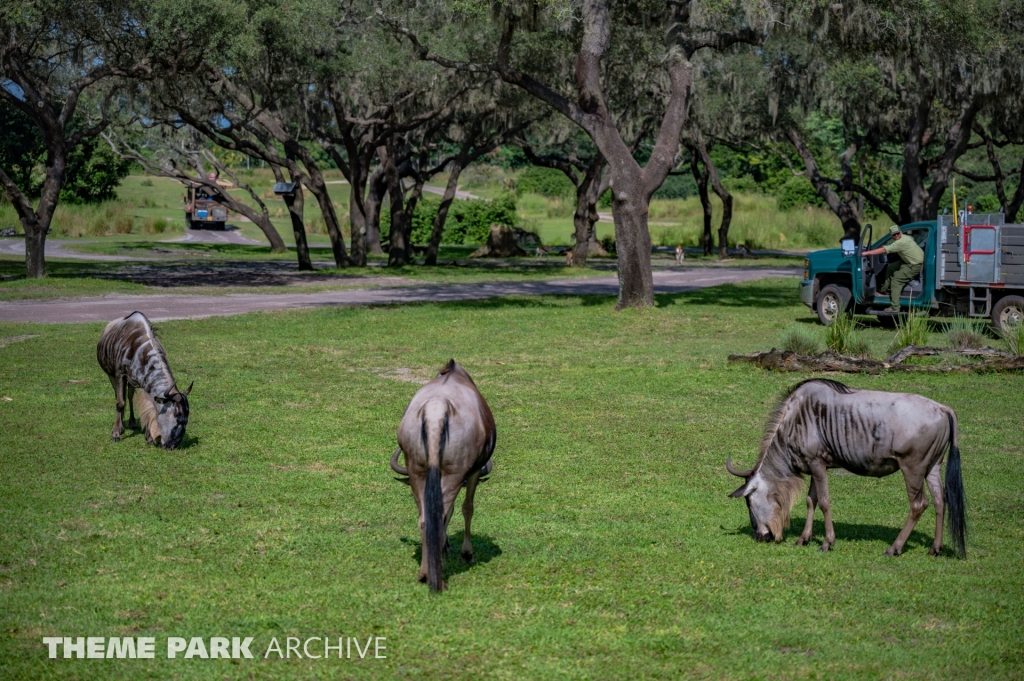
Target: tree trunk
<point>587,195</point>
<point>296,203</point>
<point>705,201</point>
<point>374,198</point>
<point>318,188</point>
<point>633,247</point>
<point>442,214</point>
<point>398,250</point>
<point>35,251</point>
<point>716,183</point>
<point>845,211</point>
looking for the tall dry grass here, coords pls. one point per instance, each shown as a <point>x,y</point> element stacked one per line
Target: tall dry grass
<point>756,222</point>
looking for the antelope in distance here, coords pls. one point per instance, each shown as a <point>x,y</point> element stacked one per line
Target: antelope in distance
<point>447,434</point>
<point>821,424</point>
<point>133,359</point>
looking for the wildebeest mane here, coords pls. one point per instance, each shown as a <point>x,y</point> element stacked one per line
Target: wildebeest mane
<point>779,410</point>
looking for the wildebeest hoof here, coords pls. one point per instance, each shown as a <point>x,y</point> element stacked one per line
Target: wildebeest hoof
<point>468,557</point>
<point>892,552</point>
<point>935,551</point>
<point>825,547</point>
<point>801,541</point>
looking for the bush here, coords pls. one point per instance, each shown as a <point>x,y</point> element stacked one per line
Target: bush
<point>911,330</point>
<point>987,203</point>
<point>676,187</point>
<point>801,341</point>
<point>964,333</point>
<point>797,192</point>
<point>468,221</point>
<point>841,337</point>
<point>544,181</point>
<point>1014,337</point>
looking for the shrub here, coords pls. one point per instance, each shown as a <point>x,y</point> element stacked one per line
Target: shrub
<point>910,330</point>
<point>468,222</point>
<point>1014,337</point>
<point>987,203</point>
<point>964,333</point>
<point>544,181</point>
<point>146,183</point>
<point>315,225</point>
<point>155,226</point>
<point>797,192</point>
<point>841,337</point>
<point>801,341</point>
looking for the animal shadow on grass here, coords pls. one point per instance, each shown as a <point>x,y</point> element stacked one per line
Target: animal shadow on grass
<point>853,532</point>
<point>484,550</point>
<point>136,431</point>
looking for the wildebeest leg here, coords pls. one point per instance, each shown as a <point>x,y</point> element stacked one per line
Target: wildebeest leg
<point>119,384</point>
<point>129,398</point>
<point>934,481</point>
<point>819,475</point>
<point>417,483</point>
<point>812,502</point>
<point>450,489</point>
<point>918,503</point>
<point>467,513</point>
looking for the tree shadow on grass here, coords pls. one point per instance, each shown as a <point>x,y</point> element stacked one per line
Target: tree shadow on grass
<point>484,550</point>
<point>855,532</point>
<point>759,295</point>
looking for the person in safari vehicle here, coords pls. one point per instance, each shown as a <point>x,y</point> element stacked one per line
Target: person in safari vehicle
<point>899,273</point>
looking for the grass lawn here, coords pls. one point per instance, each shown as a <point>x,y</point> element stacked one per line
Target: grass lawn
<point>606,545</point>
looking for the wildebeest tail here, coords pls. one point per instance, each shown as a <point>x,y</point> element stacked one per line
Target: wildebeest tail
<point>433,506</point>
<point>954,492</point>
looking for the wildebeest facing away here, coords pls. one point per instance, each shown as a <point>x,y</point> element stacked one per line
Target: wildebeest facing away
<point>133,359</point>
<point>448,436</point>
<point>823,424</point>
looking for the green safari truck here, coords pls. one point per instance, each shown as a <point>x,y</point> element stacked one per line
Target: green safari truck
<point>975,269</point>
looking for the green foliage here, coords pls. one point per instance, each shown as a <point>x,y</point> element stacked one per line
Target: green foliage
<point>677,187</point>
<point>801,340</point>
<point>468,222</point>
<point>912,329</point>
<point>1014,337</point>
<point>797,192</point>
<point>94,173</point>
<point>544,181</point>
<point>964,333</point>
<point>987,203</point>
<point>841,337</point>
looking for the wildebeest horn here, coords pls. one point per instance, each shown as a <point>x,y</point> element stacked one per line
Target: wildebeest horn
<point>737,473</point>
<point>401,470</point>
<point>189,388</point>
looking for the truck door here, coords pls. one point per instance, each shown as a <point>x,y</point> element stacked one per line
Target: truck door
<point>919,294</point>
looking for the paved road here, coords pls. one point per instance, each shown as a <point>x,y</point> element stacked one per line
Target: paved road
<point>160,307</point>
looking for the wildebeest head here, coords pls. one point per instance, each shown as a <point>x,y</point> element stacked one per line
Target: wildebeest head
<point>172,417</point>
<point>769,500</point>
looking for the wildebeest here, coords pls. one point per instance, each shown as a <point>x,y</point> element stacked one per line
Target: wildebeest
<point>823,424</point>
<point>448,436</point>
<point>133,359</point>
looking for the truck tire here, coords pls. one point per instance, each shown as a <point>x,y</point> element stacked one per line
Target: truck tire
<point>1009,310</point>
<point>833,300</point>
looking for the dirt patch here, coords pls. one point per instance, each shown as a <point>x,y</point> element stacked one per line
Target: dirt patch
<point>418,376</point>
<point>4,342</point>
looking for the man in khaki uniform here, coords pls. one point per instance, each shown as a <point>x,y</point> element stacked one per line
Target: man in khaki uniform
<point>899,274</point>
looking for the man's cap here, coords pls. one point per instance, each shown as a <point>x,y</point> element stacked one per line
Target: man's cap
<point>894,230</point>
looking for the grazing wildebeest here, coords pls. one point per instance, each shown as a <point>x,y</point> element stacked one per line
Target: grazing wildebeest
<point>823,424</point>
<point>133,359</point>
<point>448,436</point>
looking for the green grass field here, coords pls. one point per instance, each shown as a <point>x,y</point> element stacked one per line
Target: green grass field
<point>607,547</point>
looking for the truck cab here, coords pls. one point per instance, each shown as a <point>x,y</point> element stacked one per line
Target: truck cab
<point>975,269</point>
<point>203,210</point>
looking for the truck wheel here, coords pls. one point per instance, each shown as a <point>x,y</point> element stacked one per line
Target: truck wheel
<point>832,302</point>
<point>1008,311</point>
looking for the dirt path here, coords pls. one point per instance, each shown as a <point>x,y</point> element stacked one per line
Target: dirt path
<point>160,307</point>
